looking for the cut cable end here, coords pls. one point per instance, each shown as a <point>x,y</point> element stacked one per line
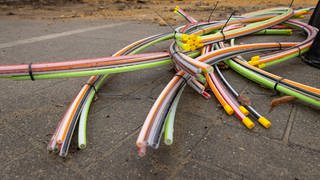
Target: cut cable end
<point>142,151</point>
<point>168,142</point>
<point>206,95</point>
<point>82,146</point>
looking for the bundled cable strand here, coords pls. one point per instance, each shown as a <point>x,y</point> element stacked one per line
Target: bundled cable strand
<point>196,53</point>
<point>214,82</point>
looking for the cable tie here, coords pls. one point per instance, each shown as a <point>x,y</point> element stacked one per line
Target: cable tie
<point>30,72</point>
<point>280,45</point>
<point>215,6</point>
<point>291,4</point>
<point>185,80</point>
<point>172,54</point>
<point>299,51</point>
<point>224,37</point>
<point>92,86</point>
<point>277,82</point>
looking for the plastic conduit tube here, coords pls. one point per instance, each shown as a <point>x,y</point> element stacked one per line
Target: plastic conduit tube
<point>245,120</point>
<point>298,49</point>
<point>269,84</point>
<point>311,91</point>
<point>52,67</point>
<point>169,123</point>
<point>82,137</point>
<point>301,87</point>
<point>262,120</point>
<point>141,141</point>
<point>82,133</point>
<point>157,127</point>
<point>230,99</point>
<point>67,142</point>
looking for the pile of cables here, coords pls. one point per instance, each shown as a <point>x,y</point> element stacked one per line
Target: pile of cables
<point>197,51</point>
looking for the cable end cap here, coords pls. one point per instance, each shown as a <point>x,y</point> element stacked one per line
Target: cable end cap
<point>228,109</point>
<point>264,122</point>
<point>248,123</point>
<point>244,110</point>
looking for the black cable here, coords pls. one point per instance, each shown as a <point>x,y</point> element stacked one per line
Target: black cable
<point>215,6</point>
<point>221,31</point>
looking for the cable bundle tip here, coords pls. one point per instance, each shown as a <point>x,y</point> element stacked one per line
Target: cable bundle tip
<point>264,122</point>
<point>244,110</point>
<point>228,109</point>
<point>248,123</point>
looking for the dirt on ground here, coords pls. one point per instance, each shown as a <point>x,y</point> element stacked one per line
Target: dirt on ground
<point>143,9</point>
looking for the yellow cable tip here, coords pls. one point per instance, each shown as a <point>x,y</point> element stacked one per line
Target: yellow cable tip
<point>228,109</point>
<point>253,63</point>
<point>185,37</point>
<point>264,122</point>
<point>255,58</point>
<point>194,37</point>
<point>193,48</point>
<point>186,47</point>
<point>248,123</point>
<point>176,9</point>
<point>263,65</point>
<point>200,45</point>
<point>244,110</point>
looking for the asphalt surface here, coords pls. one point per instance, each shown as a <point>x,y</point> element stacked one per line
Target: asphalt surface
<point>207,143</point>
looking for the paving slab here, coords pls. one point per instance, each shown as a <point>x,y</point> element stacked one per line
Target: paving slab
<point>200,170</point>
<point>10,150</point>
<point>305,130</point>
<point>38,166</point>
<point>256,157</point>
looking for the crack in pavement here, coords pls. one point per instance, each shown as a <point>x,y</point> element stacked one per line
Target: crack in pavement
<point>286,135</point>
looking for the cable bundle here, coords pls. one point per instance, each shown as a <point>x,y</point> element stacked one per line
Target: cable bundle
<point>196,52</point>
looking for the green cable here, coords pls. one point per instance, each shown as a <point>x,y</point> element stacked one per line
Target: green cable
<point>251,26</point>
<point>269,84</point>
<point>82,132</point>
<point>275,32</point>
<point>82,137</point>
<point>286,58</point>
<point>169,122</point>
<point>94,72</point>
<point>169,36</point>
